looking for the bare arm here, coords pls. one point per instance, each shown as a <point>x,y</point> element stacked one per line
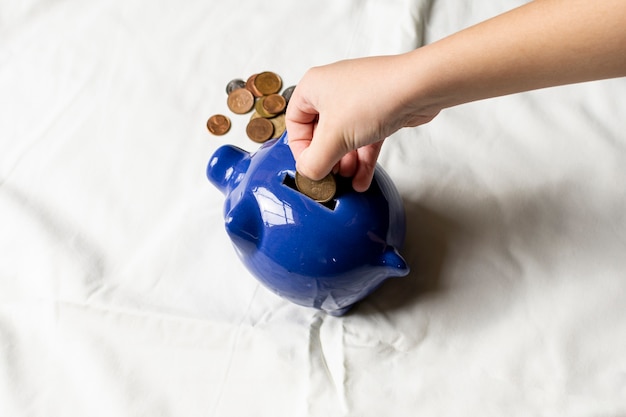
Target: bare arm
<point>541,44</point>
<point>333,121</point>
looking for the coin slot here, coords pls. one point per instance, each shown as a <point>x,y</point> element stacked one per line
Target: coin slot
<point>290,182</point>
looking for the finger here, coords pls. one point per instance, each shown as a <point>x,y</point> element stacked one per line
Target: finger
<point>298,141</point>
<point>300,122</point>
<point>367,157</point>
<point>324,151</point>
<point>348,164</point>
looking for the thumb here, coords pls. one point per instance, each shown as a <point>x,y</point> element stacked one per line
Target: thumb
<point>322,154</point>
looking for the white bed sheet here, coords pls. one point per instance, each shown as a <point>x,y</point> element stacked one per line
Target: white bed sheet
<point>121,295</point>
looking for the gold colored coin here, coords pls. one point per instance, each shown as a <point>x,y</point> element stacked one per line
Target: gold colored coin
<point>274,103</point>
<point>279,125</point>
<point>259,129</point>
<point>321,191</point>
<point>258,107</point>
<point>250,86</point>
<point>218,124</point>
<point>267,83</point>
<point>240,101</point>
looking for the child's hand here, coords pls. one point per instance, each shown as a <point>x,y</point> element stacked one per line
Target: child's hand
<point>339,115</point>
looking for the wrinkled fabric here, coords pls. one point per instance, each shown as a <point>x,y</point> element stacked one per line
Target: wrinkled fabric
<point>120,293</point>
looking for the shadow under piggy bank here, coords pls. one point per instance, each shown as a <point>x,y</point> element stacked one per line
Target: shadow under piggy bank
<point>322,255</point>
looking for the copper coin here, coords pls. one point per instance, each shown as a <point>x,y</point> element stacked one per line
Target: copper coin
<point>258,107</point>
<point>234,85</point>
<point>240,101</point>
<point>259,130</point>
<point>287,92</point>
<point>218,124</point>
<point>268,82</point>
<point>274,103</point>
<point>251,87</point>
<point>321,191</point>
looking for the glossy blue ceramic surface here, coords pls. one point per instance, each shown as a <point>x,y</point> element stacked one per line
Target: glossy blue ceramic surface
<point>327,256</point>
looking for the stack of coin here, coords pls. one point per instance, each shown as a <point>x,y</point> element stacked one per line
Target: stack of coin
<point>260,93</point>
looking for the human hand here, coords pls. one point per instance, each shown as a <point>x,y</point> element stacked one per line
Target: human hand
<point>340,114</point>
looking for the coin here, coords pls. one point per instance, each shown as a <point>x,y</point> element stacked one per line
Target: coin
<point>321,191</point>
<point>234,85</point>
<point>251,87</point>
<point>240,101</point>
<point>267,83</point>
<point>279,125</point>
<point>274,103</point>
<point>260,92</point>
<point>218,124</point>
<point>259,129</point>
<point>259,108</point>
<point>288,92</point>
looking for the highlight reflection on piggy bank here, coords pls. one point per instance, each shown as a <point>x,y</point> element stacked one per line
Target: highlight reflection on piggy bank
<point>322,255</point>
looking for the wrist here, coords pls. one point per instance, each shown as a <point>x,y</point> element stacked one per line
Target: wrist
<point>423,91</point>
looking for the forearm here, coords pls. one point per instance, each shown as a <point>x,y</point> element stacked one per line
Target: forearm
<point>541,44</point>
<point>340,113</point>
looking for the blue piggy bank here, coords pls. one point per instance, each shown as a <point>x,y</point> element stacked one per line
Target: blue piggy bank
<point>322,255</point>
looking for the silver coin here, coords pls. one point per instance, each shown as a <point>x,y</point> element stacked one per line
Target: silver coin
<point>288,92</point>
<point>234,85</point>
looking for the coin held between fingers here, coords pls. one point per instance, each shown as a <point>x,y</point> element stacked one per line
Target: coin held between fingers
<point>321,191</point>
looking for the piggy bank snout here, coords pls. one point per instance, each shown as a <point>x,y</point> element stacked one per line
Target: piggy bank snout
<point>244,223</point>
<point>227,166</point>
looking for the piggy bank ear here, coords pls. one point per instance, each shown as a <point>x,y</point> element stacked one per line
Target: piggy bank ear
<point>391,259</point>
<point>226,167</point>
